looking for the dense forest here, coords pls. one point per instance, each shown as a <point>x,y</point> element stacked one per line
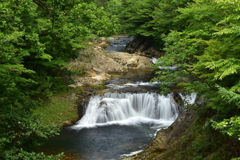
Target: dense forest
<point>40,37</point>
<point>201,38</point>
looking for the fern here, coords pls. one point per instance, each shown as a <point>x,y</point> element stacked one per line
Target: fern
<point>236,87</point>
<point>224,67</point>
<point>230,126</point>
<point>229,96</point>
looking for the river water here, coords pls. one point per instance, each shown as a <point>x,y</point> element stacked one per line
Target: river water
<point>116,125</point>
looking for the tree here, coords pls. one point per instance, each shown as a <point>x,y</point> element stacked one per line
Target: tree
<point>37,40</point>
<point>207,53</point>
<point>137,16</point>
<point>151,19</point>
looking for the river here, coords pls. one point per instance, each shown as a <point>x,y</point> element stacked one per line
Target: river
<point>116,125</point>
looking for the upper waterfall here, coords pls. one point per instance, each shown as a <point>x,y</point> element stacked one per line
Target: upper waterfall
<point>117,107</point>
<point>188,98</point>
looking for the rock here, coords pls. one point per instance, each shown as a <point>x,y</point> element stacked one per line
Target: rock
<point>97,70</point>
<point>160,149</point>
<point>103,38</point>
<point>143,47</point>
<point>72,85</point>
<point>138,44</point>
<point>99,78</point>
<point>95,64</point>
<point>111,38</point>
<point>130,60</point>
<point>67,122</point>
<point>164,138</point>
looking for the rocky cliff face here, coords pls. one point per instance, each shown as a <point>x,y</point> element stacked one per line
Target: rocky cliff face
<point>143,47</point>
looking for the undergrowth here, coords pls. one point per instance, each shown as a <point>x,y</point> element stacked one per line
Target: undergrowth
<point>201,142</point>
<point>60,108</point>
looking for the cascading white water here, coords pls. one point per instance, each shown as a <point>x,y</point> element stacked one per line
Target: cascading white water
<point>154,60</point>
<point>136,84</point>
<point>121,106</point>
<point>188,98</point>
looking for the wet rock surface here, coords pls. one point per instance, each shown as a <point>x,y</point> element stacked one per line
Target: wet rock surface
<point>164,138</point>
<point>143,47</point>
<point>130,60</point>
<point>95,64</point>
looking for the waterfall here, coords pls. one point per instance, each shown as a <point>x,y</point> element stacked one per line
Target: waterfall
<point>112,107</point>
<point>173,68</point>
<point>188,98</point>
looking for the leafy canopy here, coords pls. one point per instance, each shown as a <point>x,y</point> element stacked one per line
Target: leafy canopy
<point>37,39</point>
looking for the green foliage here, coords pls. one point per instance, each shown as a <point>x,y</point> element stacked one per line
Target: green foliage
<point>205,49</point>
<point>21,130</point>
<point>202,146</point>
<point>136,16</point>
<point>37,40</point>
<point>21,154</point>
<point>201,38</point>
<point>230,126</point>
<point>151,18</point>
<point>61,107</point>
<point>113,7</point>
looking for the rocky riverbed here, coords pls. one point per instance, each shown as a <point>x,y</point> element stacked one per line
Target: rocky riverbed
<point>95,64</point>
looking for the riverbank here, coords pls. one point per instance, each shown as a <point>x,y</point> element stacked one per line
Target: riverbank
<point>61,108</point>
<point>190,138</point>
<point>165,144</point>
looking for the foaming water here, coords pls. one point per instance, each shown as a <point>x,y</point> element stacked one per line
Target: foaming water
<point>117,125</point>
<point>137,84</point>
<point>128,109</point>
<point>130,154</point>
<point>155,60</point>
<point>137,87</point>
<point>188,98</point>
<point>114,126</point>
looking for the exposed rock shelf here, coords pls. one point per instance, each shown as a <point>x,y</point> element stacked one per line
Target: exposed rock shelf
<point>95,65</point>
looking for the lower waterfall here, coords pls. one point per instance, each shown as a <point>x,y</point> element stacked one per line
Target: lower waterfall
<point>116,125</point>
<point>128,108</point>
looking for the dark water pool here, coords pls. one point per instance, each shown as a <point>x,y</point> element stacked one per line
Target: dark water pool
<point>101,143</point>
